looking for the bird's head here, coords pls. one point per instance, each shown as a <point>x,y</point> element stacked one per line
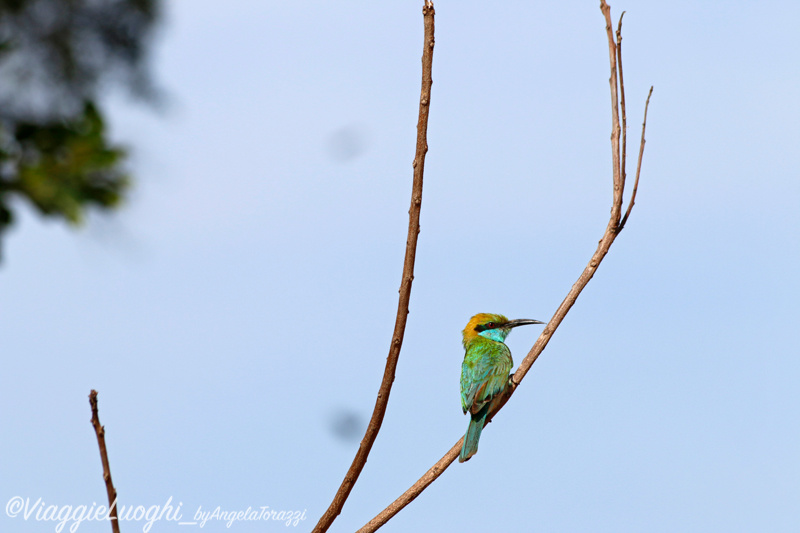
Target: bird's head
<point>492,326</point>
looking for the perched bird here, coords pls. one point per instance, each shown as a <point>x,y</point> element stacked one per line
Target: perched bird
<point>485,371</point>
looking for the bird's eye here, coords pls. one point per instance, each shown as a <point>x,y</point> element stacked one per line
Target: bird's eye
<point>491,325</point>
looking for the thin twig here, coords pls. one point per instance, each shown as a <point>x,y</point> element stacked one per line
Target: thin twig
<point>610,234</point>
<point>638,164</point>
<point>405,287</point>
<point>615,126</point>
<point>622,105</point>
<point>100,431</point>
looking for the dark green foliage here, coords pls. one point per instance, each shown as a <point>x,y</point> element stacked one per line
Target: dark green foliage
<point>63,166</point>
<point>55,57</point>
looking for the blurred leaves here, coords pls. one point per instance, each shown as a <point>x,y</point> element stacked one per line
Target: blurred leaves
<point>64,166</point>
<point>55,54</point>
<point>56,57</point>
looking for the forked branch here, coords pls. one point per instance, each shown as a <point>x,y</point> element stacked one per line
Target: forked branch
<point>405,286</point>
<point>615,225</point>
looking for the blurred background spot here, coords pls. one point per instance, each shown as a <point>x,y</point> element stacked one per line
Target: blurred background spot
<point>347,143</point>
<point>347,425</point>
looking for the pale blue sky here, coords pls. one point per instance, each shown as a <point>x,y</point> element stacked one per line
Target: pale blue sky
<point>245,295</point>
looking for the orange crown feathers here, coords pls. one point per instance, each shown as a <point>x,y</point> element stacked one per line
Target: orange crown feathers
<point>481,318</point>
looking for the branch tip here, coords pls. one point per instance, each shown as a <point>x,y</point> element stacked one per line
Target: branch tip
<point>100,432</point>
<point>638,163</point>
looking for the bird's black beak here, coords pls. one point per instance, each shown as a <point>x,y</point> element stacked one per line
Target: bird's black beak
<point>522,322</point>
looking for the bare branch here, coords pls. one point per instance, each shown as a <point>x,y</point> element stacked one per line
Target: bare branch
<point>615,126</point>
<point>612,230</point>
<point>624,150</point>
<point>638,164</point>
<point>408,496</point>
<point>100,431</point>
<point>378,412</point>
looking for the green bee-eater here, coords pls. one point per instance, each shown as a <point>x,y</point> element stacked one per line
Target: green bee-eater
<point>485,371</point>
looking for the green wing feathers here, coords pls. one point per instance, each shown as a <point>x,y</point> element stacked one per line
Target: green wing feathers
<point>484,375</point>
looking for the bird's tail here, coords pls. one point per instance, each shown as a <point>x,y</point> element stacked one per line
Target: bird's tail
<point>473,434</point>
